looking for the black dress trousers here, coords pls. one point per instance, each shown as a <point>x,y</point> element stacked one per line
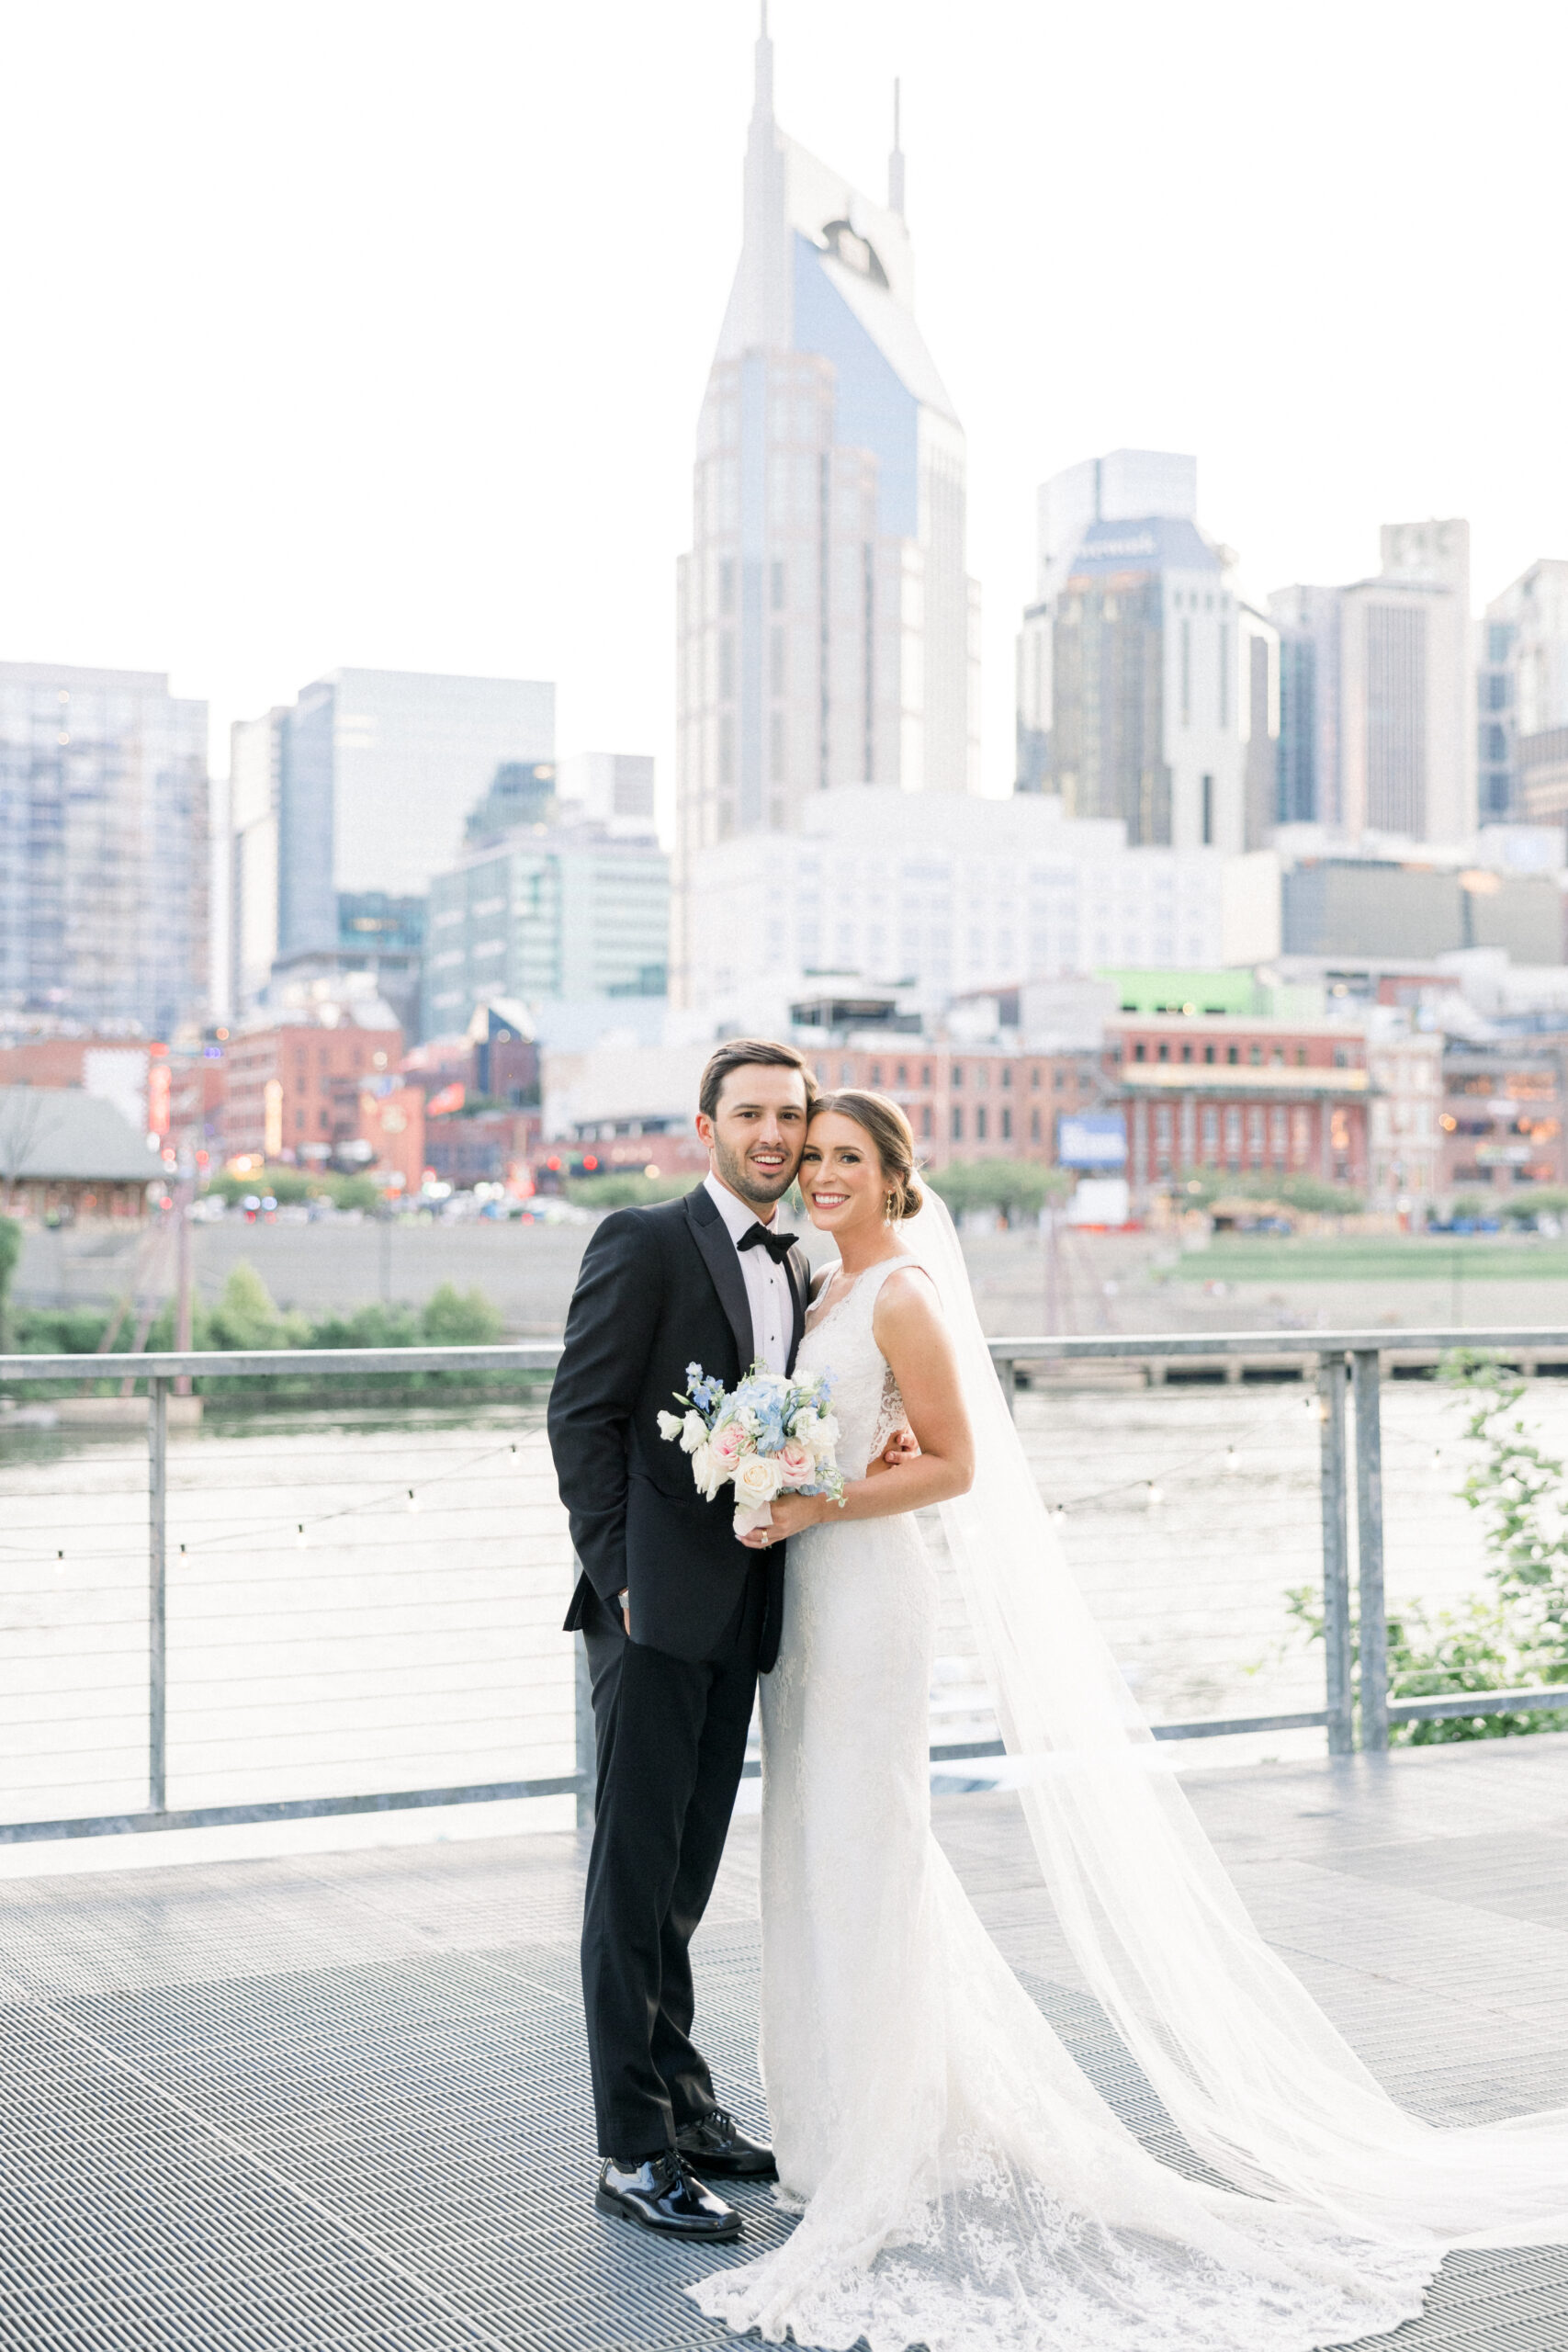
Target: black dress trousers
<point>671,1737</point>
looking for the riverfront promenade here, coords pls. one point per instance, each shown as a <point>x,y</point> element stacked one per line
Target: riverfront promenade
<point>341,2101</point>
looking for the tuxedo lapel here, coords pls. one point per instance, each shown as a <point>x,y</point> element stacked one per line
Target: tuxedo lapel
<point>800,1295</point>
<point>711,1238</point>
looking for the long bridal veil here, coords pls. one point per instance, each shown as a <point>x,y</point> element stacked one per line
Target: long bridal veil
<point>1261,2084</point>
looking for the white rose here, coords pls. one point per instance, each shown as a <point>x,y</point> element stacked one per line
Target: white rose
<point>694,1431</point>
<point>823,1435</point>
<point>758,1478</point>
<point>670,1425</point>
<point>804,1425</point>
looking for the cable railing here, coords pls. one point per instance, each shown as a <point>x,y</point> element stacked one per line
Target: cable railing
<point>439,1557</point>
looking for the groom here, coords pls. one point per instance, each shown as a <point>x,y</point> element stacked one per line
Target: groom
<point>678,1617</point>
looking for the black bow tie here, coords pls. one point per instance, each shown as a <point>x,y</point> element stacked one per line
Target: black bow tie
<point>763,1237</point>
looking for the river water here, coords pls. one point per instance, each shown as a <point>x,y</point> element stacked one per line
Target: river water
<point>368,1601</point>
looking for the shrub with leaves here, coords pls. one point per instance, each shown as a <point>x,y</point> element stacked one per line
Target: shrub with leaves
<point>454,1319</point>
<point>246,1317</point>
<point>1515,1638</point>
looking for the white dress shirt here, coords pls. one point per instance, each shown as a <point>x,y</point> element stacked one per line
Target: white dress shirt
<point>768,1292</point>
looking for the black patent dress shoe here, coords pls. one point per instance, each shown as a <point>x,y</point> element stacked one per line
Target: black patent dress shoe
<point>718,2144</point>
<point>662,2194</point>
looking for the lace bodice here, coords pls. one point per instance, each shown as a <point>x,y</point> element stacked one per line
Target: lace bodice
<point>865,1394</point>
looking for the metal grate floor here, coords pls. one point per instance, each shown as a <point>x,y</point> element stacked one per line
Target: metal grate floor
<point>341,2101</point>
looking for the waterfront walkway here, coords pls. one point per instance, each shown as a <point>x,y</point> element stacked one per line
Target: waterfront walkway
<point>340,2102</point>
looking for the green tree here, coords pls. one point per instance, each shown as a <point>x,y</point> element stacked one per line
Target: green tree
<point>368,1327</point>
<point>455,1319</point>
<point>627,1190</point>
<point>1017,1188</point>
<point>10,1250</point>
<point>246,1317</point>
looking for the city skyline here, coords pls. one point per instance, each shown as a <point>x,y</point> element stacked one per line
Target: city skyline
<point>459,484</point>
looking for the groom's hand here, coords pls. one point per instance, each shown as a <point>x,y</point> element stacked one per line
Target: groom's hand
<point>902,1446</point>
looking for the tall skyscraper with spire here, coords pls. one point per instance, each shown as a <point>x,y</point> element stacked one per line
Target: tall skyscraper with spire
<point>828,625</point>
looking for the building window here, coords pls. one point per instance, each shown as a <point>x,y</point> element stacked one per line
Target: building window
<point>1187,673</point>
<point>1007,1073</point>
<point>925,1073</point>
<point>1164,1053</point>
<point>1034,1125</point>
<point>1007,1122</point>
<point>876,1073</point>
<point>958,1123</point>
<point>1058,1079</point>
<point>1255,1056</point>
<point>903,1076</point>
<point>1208,1053</point>
<point>926,1121</point>
<point>980,1124</point>
<point>1207,813</point>
<point>1211,1133</point>
<point>727,584</point>
<point>1232,1053</point>
<point>1138,1051</point>
<point>1300,1057</point>
<point>846,1073</point>
<point>1034,1077</point>
<point>958,1073</point>
<point>1233,1136</point>
<point>1279,1147</point>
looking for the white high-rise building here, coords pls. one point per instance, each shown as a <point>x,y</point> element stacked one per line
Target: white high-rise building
<point>255,789</point>
<point>984,894</point>
<point>827,623</point>
<point>1407,689</point>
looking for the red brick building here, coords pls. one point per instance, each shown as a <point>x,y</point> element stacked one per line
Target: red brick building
<point>280,1082</point>
<point>1501,1117</point>
<point>1248,1096</point>
<point>971,1102</point>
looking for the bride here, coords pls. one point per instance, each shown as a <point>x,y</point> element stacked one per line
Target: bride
<point>961,2184</point>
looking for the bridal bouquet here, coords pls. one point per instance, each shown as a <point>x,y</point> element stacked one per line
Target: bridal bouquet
<point>770,1436</point>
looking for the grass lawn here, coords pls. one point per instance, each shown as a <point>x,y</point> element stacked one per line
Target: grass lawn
<point>1475,1258</point>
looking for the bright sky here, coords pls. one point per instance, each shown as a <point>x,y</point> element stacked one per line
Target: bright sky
<point>352,330</point>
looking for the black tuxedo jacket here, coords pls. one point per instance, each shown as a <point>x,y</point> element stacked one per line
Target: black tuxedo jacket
<point>660,1288</point>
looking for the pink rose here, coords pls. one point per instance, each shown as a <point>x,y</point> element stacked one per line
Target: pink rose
<point>796,1464</point>
<point>726,1447</point>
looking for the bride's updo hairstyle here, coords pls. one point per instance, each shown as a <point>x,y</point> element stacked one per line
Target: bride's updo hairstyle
<point>892,1138</point>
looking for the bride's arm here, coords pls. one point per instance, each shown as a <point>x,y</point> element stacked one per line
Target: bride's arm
<point>911,1334</point>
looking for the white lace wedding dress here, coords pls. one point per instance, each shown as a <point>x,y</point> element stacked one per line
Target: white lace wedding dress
<point>962,2185</point>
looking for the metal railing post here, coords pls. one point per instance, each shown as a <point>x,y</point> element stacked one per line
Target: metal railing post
<point>157,1593</point>
<point>1006,1372</point>
<point>1373,1616</point>
<point>1339,1695</point>
<point>587,1745</point>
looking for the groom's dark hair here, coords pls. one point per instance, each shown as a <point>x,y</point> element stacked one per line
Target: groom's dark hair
<point>740,1053</point>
